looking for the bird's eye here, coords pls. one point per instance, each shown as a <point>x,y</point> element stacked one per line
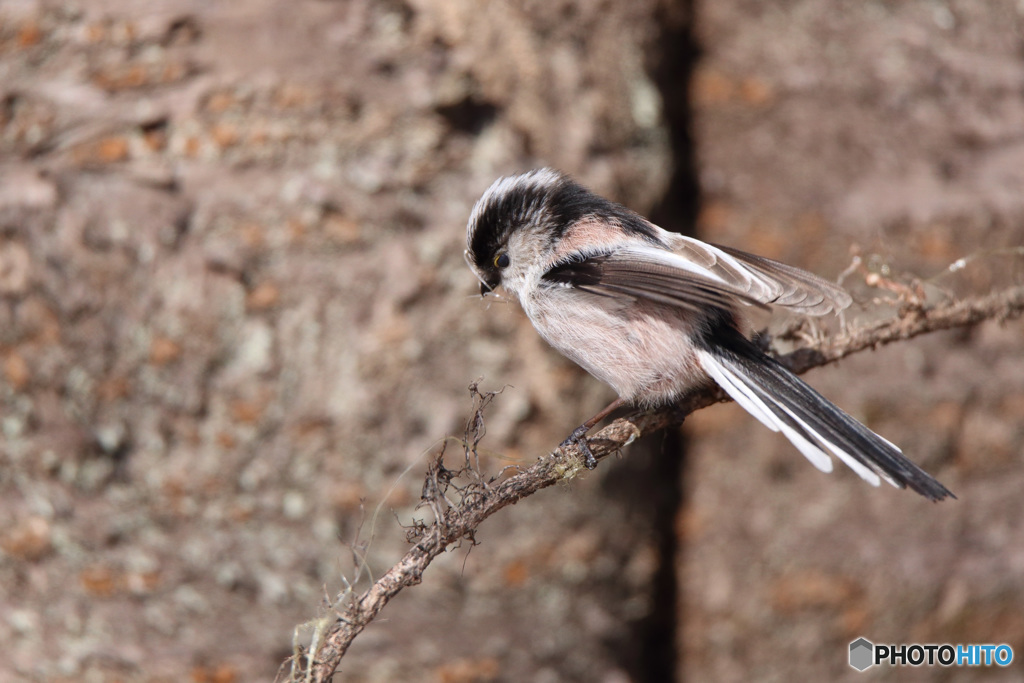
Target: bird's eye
<point>501,260</point>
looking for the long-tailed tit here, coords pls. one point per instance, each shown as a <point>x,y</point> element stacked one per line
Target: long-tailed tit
<point>655,314</point>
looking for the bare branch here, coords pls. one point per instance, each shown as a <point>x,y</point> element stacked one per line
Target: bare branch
<point>479,499</point>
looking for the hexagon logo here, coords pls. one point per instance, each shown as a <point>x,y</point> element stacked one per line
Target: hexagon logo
<point>862,654</point>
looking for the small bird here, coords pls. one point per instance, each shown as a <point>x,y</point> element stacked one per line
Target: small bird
<point>655,314</point>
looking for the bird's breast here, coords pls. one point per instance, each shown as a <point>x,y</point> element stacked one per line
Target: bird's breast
<point>641,350</point>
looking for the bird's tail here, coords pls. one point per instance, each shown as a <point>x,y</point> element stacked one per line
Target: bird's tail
<point>817,427</point>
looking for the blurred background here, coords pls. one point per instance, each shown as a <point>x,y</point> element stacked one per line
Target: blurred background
<point>235,319</point>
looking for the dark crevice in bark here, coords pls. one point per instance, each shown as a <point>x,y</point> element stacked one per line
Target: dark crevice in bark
<point>656,465</point>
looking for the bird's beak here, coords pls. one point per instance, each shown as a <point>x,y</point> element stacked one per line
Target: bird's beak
<point>485,286</point>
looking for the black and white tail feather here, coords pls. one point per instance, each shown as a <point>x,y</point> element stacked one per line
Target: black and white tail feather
<point>817,427</point>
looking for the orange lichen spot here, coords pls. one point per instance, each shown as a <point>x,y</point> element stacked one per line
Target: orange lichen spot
<point>121,78</point>
<point>220,101</point>
<point>96,32</point>
<point>224,135</point>
<point>252,234</point>
<point>241,513</point>
<point>467,670</point>
<point>226,440</point>
<point>248,412</point>
<point>264,296</point>
<point>155,139</point>
<point>340,229</point>
<point>164,350</point>
<point>938,244</point>
<point>810,589</point>
<point>99,581</point>
<point>16,371</point>
<point>27,540</point>
<point>292,96</point>
<point>712,87</point>
<point>755,92</point>
<point>515,573</point>
<point>172,72</point>
<point>112,149</point>
<point>113,388</point>
<point>193,146</point>
<point>143,582</point>
<point>714,216</point>
<point>690,524</point>
<point>221,673</point>
<point>296,230</point>
<point>30,34</point>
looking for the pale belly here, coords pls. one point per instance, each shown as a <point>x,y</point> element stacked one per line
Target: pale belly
<point>641,350</point>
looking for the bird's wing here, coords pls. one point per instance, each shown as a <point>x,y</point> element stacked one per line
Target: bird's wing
<point>647,274</point>
<point>765,280</point>
<point>695,275</point>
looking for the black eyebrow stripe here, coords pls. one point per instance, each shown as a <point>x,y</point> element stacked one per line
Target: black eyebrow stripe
<point>562,203</point>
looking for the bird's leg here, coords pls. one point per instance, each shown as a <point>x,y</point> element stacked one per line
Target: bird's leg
<point>578,434</point>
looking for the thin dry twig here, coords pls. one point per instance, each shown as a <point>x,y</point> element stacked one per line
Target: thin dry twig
<point>479,499</point>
